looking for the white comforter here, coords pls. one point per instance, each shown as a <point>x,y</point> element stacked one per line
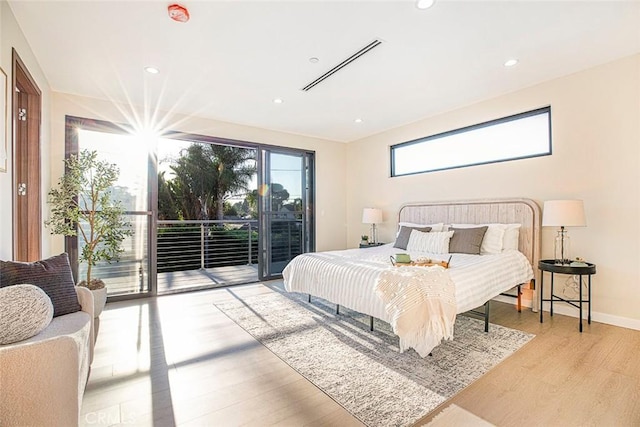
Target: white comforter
<point>348,277</point>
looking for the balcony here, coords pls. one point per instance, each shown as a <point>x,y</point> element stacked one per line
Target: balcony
<point>203,254</point>
<point>194,255</point>
<point>191,255</point>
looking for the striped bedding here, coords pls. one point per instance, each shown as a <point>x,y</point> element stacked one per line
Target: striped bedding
<point>348,277</point>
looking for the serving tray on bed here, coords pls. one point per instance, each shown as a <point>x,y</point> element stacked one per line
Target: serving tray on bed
<point>444,264</point>
<point>422,263</point>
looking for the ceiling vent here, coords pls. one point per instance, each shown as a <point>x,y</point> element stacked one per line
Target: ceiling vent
<point>340,66</point>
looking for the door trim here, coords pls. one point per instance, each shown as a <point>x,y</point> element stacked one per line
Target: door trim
<point>27,240</point>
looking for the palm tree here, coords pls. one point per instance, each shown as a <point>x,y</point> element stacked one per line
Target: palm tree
<point>234,168</point>
<point>167,206</point>
<point>192,187</point>
<point>207,175</point>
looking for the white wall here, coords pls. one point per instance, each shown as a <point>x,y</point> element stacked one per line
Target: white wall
<point>596,157</point>
<point>11,37</point>
<point>330,156</point>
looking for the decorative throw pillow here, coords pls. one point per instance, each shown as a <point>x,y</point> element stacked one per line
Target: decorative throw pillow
<point>467,240</point>
<point>25,311</point>
<point>498,238</point>
<point>52,275</point>
<point>433,242</point>
<point>492,242</point>
<point>403,236</point>
<point>511,237</point>
<point>434,227</point>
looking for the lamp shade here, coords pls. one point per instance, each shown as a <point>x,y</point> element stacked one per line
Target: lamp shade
<point>563,213</point>
<point>371,216</point>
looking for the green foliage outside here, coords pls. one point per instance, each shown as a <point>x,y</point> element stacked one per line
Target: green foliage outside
<point>205,177</point>
<point>82,205</point>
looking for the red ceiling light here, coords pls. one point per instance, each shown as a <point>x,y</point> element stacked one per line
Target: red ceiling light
<point>178,13</point>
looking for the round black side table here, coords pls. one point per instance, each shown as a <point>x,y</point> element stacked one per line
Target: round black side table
<point>550,266</point>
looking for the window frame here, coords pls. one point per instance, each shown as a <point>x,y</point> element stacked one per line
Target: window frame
<point>531,113</point>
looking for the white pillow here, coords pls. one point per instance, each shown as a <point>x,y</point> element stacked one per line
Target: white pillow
<point>432,242</point>
<point>511,237</point>
<point>434,227</point>
<point>492,242</point>
<point>26,311</point>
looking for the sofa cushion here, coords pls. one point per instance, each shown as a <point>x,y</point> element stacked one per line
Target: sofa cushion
<point>52,275</point>
<point>25,310</point>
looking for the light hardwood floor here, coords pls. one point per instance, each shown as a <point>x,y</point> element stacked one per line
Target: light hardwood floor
<point>177,360</point>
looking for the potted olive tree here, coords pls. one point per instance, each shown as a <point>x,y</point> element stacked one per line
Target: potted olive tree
<point>81,205</point>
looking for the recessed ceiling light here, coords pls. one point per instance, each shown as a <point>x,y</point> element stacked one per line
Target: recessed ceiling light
<point>358,120</point>
<point>424,4</point>
<point>278,101</point>
<point>151,70</point>
<point>314,60</point>
<point>510,62</point>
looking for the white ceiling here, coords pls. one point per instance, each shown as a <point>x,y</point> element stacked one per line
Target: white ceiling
<point>234,57</point>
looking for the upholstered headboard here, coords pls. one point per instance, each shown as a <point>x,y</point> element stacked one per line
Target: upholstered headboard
<point>505,211</point>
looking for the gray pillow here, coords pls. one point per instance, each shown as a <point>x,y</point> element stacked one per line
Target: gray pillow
<point>467,240</point>
<point>405,232</point>
<point>52,275</point>
<point>26,311</point>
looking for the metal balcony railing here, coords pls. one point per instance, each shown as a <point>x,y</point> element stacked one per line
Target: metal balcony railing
<point>189,245</point>
<point>198,253</point>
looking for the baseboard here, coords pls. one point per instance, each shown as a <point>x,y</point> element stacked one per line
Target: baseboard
<point>565,310</point>
<point>609,319</point>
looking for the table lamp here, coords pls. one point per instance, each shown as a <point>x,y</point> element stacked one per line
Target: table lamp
<point>563,213</point>
<point>372,216</point>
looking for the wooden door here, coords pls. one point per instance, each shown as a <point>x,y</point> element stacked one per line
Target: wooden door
<point>27,220</point>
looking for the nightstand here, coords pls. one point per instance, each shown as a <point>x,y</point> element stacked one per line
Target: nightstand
<point>370,245</point>
<point>550,266</point>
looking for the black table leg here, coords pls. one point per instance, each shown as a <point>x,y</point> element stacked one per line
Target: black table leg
<point>551,297</point>
<point>541,294</point>
<point>580,286</point>
<point>589,293</point>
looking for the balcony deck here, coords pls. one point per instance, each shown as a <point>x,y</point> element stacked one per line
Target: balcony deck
<point>178,281</point>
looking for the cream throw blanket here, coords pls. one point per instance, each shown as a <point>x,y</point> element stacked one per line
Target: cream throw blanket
<point>421,303</point>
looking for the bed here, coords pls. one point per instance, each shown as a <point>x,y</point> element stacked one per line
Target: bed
<point>351,278</point>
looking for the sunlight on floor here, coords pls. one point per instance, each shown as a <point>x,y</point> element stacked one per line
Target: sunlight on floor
<point>153,362</point>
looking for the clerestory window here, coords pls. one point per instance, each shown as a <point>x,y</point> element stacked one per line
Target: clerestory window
<point>515,137</point>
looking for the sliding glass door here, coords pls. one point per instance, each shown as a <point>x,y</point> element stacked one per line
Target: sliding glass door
<point>207,215</point>
<point>204,212</point>
<point>285,209</point>
<point>131,275</point>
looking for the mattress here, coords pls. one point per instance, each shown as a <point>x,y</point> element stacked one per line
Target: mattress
<point>348,277</point>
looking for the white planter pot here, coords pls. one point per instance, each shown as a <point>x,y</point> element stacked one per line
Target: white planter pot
<point>99,301</point>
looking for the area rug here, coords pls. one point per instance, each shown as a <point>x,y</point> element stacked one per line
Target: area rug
<point>362,370</point>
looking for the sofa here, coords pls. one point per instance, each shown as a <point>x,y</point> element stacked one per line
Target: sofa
<point>42,378</point>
